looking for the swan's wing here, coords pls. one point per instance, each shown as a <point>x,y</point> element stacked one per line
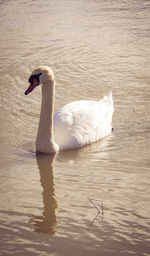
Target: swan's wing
<point>82,122</point>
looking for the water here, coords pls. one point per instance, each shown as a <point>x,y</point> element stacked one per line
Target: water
<point>93,47</point>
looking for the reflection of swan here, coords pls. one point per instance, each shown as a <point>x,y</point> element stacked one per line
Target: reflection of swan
<point>46,223</point>
<point>93,152</point>
<point>76,124</point>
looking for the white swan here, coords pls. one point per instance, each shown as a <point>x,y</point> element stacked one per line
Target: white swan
<point>76,124</point>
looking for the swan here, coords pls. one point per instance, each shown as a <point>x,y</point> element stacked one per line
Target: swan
<point>76,124</point>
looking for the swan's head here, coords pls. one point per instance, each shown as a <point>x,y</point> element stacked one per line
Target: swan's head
<point>40,75</point>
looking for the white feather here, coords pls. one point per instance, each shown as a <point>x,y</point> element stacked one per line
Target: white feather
<point>82,122</point>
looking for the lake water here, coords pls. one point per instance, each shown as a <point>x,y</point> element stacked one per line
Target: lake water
<point>94,200</point>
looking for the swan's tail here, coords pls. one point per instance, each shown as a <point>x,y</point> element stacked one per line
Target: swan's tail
<point>109,98</point>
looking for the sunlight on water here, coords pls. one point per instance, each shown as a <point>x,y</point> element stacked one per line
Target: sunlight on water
<point>94,200</point>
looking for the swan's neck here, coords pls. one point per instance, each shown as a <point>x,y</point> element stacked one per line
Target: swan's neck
<point>45,141</point>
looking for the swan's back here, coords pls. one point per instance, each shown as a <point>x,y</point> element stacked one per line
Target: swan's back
<point>82,122</point>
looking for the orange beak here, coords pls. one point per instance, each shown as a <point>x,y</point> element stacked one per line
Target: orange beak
<point>32,86</point>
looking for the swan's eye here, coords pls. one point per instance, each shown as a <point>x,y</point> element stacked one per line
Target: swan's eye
<point>36,77</point>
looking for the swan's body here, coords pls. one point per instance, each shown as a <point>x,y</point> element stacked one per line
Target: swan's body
<point>76,124</point>
<point>82,122</point>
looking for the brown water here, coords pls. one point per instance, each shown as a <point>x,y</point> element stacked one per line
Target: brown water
<point>93,47</point>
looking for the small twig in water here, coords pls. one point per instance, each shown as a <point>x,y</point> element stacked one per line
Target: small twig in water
<point>102,212</point>
<point>98,211</point>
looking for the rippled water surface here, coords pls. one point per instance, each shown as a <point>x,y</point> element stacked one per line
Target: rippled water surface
<point>95,200</point>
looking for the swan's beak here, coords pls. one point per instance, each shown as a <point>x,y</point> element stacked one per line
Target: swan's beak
<point>32,86</point>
